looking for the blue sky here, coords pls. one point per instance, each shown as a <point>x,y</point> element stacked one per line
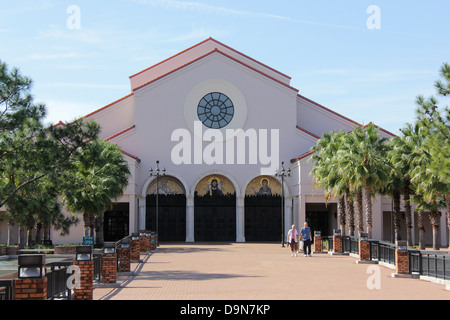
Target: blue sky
<point>325,46</point>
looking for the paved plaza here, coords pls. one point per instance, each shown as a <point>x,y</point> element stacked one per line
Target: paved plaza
<point>260,271</point>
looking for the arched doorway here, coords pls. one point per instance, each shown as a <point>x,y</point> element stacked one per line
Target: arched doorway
<point>263,209</point>
<point>171,209</point>
<point>215,209</point>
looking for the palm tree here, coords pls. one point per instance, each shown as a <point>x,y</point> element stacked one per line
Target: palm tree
<point>432,177</point>
<point>432,208</point>
<point>364,165</point>
<point>350,211</point>
<point>392,188</point>
<point>430,173</point>
<point>400,158</point>
<point>327,171</point>
<point>100,176</point>
<point>420,214</point>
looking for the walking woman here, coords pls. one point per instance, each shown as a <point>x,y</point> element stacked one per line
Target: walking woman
<point>292,239</point>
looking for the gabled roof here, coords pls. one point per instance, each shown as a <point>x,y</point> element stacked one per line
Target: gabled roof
<point>308,132</point>
<point>307,154</point>
<point>130,155</point>
<point>120,133</point>
<point>197,52</point>
<point>300,157</point>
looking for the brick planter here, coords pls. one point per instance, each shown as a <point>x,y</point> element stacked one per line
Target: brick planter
<point>65,250</point>
<point>12,251</point>
<point>2,251</point>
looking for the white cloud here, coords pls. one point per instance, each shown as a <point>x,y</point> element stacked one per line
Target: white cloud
<point>52,56</point>
<point>85,85</point>
<point>198,6</point>
<point>80,35</point>
<point>206,8</point>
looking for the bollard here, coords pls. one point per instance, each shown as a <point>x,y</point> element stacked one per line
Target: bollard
<point>337,242</point>
<point>85,264</point>
<point>364,247</point>
<point>32,283</point>
<point>401,258</point>
<point>135,247</point>
<point>143,241</point>
<point>317,241</point>
<point>109,263</point>
<point>125,256</point>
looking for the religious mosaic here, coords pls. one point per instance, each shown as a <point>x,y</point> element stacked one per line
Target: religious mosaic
<point>263,186</point>
<point>214,185</point>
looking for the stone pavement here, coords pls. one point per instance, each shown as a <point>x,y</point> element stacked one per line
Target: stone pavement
<point>260,271</point>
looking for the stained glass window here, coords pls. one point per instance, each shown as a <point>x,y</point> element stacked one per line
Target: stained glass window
<point>215,110</point>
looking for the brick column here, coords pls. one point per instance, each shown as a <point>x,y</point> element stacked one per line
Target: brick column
<point>146,241</point>
<point>364,247</point>
<point>317,241</point>
<point>124,259</point>
<point>31,289</point>
<point>109,268</point>
<point>86,288</point>
<point>135,250</point>
<point>337,242</point>
<point>143,241</point>
<point>401,258</point>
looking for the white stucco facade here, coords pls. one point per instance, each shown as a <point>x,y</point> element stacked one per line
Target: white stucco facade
<point>165,98</point>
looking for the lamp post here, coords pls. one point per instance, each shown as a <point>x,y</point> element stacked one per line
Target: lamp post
<point>282,174</point>
<point>157,174</point>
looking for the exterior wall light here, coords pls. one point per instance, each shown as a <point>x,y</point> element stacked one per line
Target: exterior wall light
<point>31,266</point>
<point>109,248</point>
<point>135,237</point>
<point>125,243</point>
<point>84,253</point>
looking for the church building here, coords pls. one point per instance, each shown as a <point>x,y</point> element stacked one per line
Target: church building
<point>220,128</point>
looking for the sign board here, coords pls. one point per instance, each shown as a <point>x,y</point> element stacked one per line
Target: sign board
<point>88,241</point>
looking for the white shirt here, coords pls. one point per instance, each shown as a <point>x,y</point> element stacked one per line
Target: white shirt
<point>290,234</point>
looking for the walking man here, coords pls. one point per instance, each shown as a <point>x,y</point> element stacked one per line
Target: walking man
<point>305,233</point>
<point>292,239</point>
